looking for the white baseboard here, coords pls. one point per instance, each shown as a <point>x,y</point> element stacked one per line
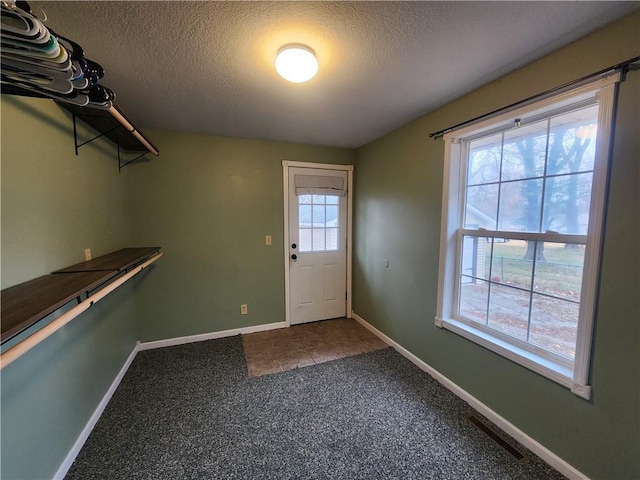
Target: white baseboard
<point>536,447</point>
<point>77,446</point>
<point>169,342</point>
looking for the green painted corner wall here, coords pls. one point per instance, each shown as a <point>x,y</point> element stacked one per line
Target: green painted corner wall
<point>54,205</point>
<point>209,202</point>
<point>398,190</point>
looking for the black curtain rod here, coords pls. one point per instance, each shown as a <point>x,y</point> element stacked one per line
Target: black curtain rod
<point>623,65</point>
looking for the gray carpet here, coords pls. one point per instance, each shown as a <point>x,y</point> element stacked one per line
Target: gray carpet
<point>192,412</point>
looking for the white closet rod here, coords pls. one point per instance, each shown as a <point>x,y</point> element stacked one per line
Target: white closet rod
<point>27,344</point>
<point>126,124</point>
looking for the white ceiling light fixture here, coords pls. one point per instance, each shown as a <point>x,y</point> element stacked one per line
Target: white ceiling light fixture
<point>296,63</point>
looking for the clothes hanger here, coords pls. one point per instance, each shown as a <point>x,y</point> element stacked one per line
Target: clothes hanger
<point>38,68</point>
<point>51,84</point>
<point>51,49</point>
<point>65,66</point>
<point>23,27</point>
<point>73,97</point>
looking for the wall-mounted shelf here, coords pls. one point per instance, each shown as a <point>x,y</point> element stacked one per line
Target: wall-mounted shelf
<point>114,125</point>
<point>119,260</point>
<point>26,304</point>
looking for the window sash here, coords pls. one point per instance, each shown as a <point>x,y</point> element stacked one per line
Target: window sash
<point>523,344</point>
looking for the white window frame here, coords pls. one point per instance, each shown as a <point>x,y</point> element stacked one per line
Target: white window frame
<point>573,375</point>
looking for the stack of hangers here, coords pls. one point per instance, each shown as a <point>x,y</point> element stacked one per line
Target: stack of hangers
<point>38,62</point>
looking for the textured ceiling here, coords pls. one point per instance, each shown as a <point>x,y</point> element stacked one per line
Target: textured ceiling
<point>208,66</point>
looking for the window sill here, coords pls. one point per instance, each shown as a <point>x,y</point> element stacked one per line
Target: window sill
<point>546,367</point>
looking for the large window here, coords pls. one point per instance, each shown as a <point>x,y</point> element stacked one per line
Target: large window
<point>522,216</point>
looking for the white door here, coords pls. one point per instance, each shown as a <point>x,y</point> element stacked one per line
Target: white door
<point>317,244</point>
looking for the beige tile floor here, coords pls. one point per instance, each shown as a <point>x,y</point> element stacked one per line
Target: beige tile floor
<point>308,344</point>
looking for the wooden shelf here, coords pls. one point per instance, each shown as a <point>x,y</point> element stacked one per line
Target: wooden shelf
<point>118,260</point>
<point>26,304</point>
<point>109,126</point>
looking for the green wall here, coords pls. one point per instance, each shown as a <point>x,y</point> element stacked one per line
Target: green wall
<point>54,205</point>
<point>398,189</point>
<point>209,202</point>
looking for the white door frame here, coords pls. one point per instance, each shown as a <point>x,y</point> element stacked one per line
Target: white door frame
<point>286,164</point>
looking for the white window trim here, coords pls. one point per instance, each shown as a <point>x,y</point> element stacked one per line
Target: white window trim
<point>575,378</point>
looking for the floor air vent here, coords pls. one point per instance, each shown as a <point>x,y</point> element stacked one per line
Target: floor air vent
<point>496,437</point>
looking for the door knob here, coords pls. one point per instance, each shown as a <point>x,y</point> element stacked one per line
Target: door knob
<point>293,245</point>
<point>294,257</point>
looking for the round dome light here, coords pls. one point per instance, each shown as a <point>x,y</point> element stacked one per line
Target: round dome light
<point>296,63</point>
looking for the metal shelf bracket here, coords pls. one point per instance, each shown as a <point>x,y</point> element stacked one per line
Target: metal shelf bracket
<point>75,135</point>
<point>122,164</point>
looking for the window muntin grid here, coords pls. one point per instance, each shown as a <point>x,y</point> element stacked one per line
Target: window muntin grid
<point>536,180</point>
<point>318,223</point>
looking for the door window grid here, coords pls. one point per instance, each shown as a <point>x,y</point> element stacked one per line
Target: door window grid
<point>318,223</point>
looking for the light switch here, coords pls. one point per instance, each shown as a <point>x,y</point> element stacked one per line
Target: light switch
<point>267,240</point>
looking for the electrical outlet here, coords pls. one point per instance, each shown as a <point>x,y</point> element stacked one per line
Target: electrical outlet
<point>243,309</point>
<point>267,240</point>
<point>87,254</point>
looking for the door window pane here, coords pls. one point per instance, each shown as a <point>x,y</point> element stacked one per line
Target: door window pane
<point>318,239</point>
<point>332,216</point>
<point>332,239</point>
<point>318,216</point>
<point>304,237</point>
<point>304,215</point>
